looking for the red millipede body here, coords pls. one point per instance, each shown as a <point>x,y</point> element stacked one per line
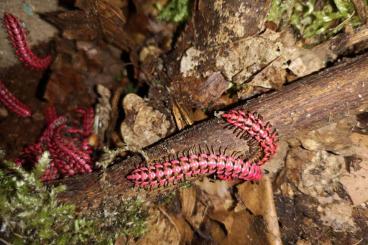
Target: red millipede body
<point>253,125</point>
<point>184,168</point>
<point>12,103</point>
<point>18,39</point>
<point>70,154</point>
<point>223,166</point>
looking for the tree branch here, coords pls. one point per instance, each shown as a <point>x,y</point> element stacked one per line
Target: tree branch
<point>311,102</point>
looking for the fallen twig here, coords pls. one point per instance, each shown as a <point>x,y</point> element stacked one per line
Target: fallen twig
<point>311,102</point>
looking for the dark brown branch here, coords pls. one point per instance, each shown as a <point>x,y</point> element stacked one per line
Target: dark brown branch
<point>311,102</point>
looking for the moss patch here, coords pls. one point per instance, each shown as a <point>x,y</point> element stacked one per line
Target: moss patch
<point>31,214</point>
<point>314,20</point>
<point>175,11</point>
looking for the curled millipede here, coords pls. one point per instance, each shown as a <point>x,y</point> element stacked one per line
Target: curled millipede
<point>12,103</point>
<point>18,39</point>
<point>225,167</point>
<point>49,132</point>
<point>171,172</point>
<point>252,124</point>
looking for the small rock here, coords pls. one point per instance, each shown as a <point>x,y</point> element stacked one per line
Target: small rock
<point>339,217</point>
<point>3,112</point>
<point>311,144</point>
<point>277,162</point>
<point>327,138</point>
<point>320,176</point>
<point>360,143</point>
<point>315,173</point>
<point>143,125</point>
<point>356,184</point>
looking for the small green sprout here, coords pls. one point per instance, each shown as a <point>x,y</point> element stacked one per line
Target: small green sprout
<point>175,11</point>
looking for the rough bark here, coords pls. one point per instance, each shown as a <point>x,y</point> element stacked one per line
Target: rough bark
<point>311,102</point>
<point>222,40</point>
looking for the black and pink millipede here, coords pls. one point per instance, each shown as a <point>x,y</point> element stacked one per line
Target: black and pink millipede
<point>225,167</point>
<point>184,168</point>
<point>251,125</point>
<point>18,39</point>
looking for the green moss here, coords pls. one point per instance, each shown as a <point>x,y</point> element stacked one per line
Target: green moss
<point>31,214</point>
<point>132,217</point>
<point>314,20</point>
<point>175,11</point>
<point>128,218</point>
<point>279,10</point>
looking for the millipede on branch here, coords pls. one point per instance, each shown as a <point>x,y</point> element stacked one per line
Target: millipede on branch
<point>225,167</point>
<point>251,125</point>
<point>187,167</point>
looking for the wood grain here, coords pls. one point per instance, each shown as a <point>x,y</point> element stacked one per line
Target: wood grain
<point>311,102</point>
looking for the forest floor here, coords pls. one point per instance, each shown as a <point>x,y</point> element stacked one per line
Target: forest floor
<point>315,190</point>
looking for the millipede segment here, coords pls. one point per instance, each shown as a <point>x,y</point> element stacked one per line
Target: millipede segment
<point>13,103</point>
<point>252,124</point>
<point>194,165</point>
<point>18,39</point>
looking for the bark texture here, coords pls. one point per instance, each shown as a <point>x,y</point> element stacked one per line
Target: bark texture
<point>311,102</point>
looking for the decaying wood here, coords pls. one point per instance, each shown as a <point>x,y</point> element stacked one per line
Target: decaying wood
<point>257,61</point>
<point>230,49</point>
<point>226,21</point>
<point>314,101</point>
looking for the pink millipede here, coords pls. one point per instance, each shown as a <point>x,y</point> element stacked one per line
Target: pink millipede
<point>18,39</point>
<point>70,154</point>
<point>253,125</point>
<point>88,117</point>
<point>186,167</point>
<point>223,166</point>
<point>12,103</point>
<point>49,132</point>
